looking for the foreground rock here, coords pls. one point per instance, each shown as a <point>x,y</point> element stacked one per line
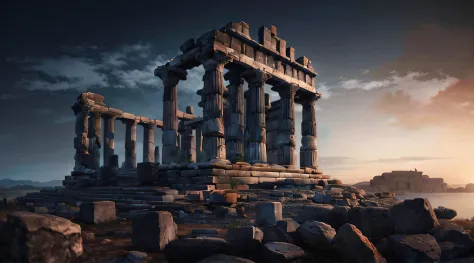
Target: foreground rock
<point>373,222</point>
<point>445,213</point>
<point>413,217</point>
<point>453,240</point>
<point>195,249</point>
<point>355,247</point>
<point>98,212</point>
<point>414,248</point>
<point>246,241</point>
<point>317,235</point>
<point>225,259</point>
<point>153,231</point>
<point>279,252</point>
<point>29,237</point>
<point>268,213</point>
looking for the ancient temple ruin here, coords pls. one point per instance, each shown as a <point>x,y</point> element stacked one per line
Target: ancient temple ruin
<point>241,136</point>
<point>407,181</point>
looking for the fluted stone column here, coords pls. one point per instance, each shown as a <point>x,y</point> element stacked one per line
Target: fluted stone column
<point>213,126</point>
<point>109,136</point>
<point>81,141</point>
<point>130,144</point>
<point>170,78</point>
<point>157,154</point>
<point>149,142</point>
<point>95,127</point>
<point>234,131</point>
<point>199,143</point>
<point>309,146</point>
<point>255,129</point>
<point>286,128</point>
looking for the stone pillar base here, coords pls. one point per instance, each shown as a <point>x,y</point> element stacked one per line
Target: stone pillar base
<point>257,152</point>
<point>308,158</point>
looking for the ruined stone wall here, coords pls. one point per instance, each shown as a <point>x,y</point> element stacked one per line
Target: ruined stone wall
<point>407,181</point>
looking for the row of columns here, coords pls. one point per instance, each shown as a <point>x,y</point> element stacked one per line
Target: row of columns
<point>236,138</point>
<point>88,140</point>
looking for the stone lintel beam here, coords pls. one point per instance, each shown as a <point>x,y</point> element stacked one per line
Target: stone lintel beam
<point>185,116</point>
<point>269,50</point>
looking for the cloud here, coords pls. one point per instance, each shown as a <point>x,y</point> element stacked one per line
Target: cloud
<point>406,159</point>
<point>10,96</point>
<point>435,49</point>
<point>452,107</point>
<point>414,83</point>
<point>334,160</point>
<point>88,67</point>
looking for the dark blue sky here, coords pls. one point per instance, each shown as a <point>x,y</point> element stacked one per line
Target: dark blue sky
<point>51,51</point>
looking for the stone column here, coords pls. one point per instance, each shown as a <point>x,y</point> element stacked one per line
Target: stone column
<point>130,144</point>
<point>188,141</point>
<point>199,143</point>
<point>309,146</point>
<point>95,127</point>
<point>234,132</point>
<point>255,130</point>
<point>109,135</point>
<point>148,142</point>
<point>285,141</point>
<point>213,126</point>
<point>157,154</point>
<point>81,141</point>
<point>170,78</point>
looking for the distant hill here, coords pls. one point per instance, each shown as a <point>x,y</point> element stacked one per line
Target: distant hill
<point>7,183</point>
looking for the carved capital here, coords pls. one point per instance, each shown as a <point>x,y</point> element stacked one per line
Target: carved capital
<point>286,90</point>
<point>216,62</point>
<point>234,77</point>
<point>307,100</point>
<point>170,75</point>
<point>256,77</point>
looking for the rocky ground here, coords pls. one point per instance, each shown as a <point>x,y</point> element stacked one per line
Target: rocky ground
<point>334,223</point>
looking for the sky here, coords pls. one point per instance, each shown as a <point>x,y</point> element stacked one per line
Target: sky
<point>397,77</point>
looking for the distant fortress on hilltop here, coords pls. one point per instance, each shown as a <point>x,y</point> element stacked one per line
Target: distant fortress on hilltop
<point>407,181</point>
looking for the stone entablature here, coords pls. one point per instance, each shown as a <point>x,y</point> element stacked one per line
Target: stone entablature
<point>407,181</point>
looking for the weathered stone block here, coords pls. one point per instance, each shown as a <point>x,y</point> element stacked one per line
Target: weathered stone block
<point>281,252</point>
<point>98,212</point>
<point>268,213</point>
<point>153,231</point>
<point>29,237</point>
<point>195,249</point>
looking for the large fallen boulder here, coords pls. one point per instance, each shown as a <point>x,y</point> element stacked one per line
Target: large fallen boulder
<point>268,213</point>
<point>339,216</point>
<point>98,212</point>
<point>224,259</point>
<point>373,222</point>
<point>445,213</point>
<point>355,247</point>
<point>30,237</point>
<point>152,231</point>
<point>279,252</point>
<point>414,248</point>
<point>413,217</point>
<point>321,213</point>
<point>195,249</point>
<point>317,235</point>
